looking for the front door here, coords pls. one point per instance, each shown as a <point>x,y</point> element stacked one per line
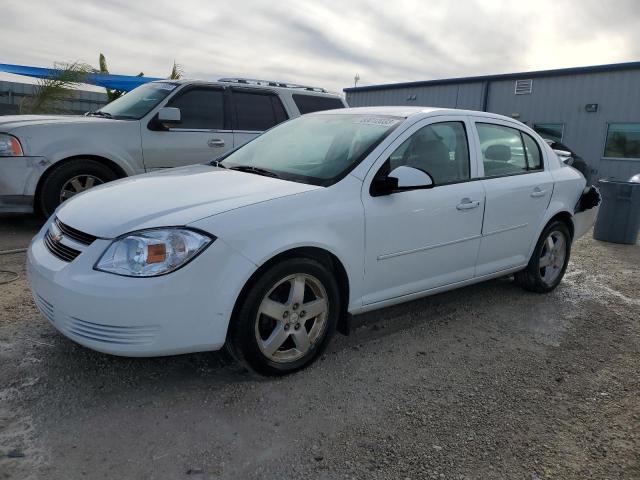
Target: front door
<point>202,134</point>
<point>422,239</point>
<point>518,190</point>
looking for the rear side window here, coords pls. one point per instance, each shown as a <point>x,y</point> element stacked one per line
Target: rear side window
<point>534,157</point>
<point>256,111</point>
<point>507,151</point>
<point>200,109</point>
<point>314,103</point>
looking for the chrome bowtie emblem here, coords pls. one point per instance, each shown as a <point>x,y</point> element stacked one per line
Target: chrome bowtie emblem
<point>55,236</point>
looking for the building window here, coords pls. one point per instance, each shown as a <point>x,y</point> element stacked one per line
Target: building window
<point>550,131</point>
<point>623,140</point>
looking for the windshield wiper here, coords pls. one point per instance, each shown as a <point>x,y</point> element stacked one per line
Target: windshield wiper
<point>256,170</point>
<point>98,113</point>
<point>216,163</point>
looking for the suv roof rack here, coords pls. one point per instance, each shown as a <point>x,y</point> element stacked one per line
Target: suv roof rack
<point>270,83</point>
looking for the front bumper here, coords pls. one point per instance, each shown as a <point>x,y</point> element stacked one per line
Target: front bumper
<point>18,180</point>
<point>185,311</point>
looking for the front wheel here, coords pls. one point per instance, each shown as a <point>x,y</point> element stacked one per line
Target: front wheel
<point>286,318</point>
<point>70,178</point>
<point>549,260</point>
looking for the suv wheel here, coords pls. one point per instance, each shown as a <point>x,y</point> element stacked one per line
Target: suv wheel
<point>69,179</point>
<point>286,318</point>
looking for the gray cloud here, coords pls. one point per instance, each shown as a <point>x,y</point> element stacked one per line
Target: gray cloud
<point>322,43</point>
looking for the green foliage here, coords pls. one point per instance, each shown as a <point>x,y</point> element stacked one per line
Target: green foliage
<point>176,71</point>
<point>51,92</point>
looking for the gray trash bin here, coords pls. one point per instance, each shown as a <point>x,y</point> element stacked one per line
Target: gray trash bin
<point>619,216</point>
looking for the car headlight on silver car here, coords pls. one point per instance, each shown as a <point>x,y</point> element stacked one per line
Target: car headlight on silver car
<point>10,146</point>
<point>149,253</point>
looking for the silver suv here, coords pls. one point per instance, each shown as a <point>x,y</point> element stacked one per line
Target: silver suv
<point>45,160</point>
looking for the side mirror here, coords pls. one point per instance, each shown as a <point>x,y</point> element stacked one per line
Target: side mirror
<point>169,115</point>
<point>411,178</point>
<point>401,179</point>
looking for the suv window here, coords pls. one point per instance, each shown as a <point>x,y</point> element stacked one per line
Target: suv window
<point>200,108</point>
<point>440,149</point>
<point>257,111</point>
<point>507,151</point>
<point>315,103</point>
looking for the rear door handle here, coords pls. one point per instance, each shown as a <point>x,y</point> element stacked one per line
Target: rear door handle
<point>467,204</point>
<point>538,192</point>
<point>215,143</point>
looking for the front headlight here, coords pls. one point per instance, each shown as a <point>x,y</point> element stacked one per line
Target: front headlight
<point>9,146</point>
<point>149,253</point>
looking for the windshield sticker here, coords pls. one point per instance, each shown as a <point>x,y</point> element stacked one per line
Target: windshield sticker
<point>165,86</point>
<point>380,121</point>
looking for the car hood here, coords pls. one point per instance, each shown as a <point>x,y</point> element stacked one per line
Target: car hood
<point>172,197</point>
<point>11,122</point>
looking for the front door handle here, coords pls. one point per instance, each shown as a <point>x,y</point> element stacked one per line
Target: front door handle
<point>467,204</point>
<point>538,192</point>
<point>215,143</point>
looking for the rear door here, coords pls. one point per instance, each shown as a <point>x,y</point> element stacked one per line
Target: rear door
<point>203,133</point>
<point>518,189</point>
<point>253,112</point>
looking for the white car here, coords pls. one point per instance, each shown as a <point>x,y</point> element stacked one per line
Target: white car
<point>46,159</point>
<point>334,213</point>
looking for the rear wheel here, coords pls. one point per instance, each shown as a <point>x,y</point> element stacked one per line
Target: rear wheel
<point>286,318</point>
<point>549,260</point>
<point>70,178</point>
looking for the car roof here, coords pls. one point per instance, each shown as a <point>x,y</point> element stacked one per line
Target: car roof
<point>406,112</point>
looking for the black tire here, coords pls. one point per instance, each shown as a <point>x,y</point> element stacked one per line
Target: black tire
<point>242,340</point>
<point>531,278</point>
<point>59,175</point>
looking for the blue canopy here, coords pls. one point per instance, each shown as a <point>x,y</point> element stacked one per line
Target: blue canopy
<point>112,82</point>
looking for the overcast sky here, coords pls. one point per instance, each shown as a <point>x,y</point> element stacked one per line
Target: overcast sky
<point>322,43</point>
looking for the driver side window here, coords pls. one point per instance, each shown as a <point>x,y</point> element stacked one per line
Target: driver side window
<point>440,149</point>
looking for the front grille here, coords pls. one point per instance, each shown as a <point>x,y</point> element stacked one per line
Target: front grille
<point>113,334</point>
<point>73,234</point>
<point>61,251</point>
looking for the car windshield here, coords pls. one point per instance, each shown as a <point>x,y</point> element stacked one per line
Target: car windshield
<point>139,101</point>
<point>317,149</point>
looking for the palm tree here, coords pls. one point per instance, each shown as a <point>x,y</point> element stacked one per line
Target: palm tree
<point>176,71</point>
<point>111,94</point>
<point>51,92</point>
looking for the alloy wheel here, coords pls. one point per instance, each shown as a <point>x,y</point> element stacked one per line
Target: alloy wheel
<point>552,257</point>
<point>78,184</point>
<point>292,318</point>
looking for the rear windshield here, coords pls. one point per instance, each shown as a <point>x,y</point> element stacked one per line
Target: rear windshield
<point>314,103</point>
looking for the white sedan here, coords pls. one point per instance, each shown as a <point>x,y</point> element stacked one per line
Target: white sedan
<point>270,249</point>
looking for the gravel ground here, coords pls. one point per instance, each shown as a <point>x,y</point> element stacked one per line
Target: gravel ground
<point>484,382</point>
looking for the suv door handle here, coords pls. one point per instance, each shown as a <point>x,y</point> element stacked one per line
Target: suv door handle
<point>538,192</point>
<point>467,204</point>
<point>215,143</point>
